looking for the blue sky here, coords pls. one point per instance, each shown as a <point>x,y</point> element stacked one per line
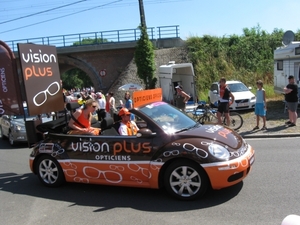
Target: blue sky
<point>194,17</point>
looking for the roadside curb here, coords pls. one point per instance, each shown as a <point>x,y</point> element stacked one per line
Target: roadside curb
<point>271,135</point>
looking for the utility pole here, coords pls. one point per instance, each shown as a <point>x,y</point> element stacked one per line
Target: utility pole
<point>142,14</point>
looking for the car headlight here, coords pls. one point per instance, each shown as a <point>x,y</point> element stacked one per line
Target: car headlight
<point>218,151</point>
<point>17,127</point>
<point>253,98</point>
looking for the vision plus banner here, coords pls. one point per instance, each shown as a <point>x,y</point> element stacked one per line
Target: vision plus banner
<point>10,91</point>
<point>41,78</point>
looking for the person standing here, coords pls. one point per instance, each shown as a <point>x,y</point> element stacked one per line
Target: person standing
<point>260,105</point>
<point>128,103</point>
<point>112,105</point>
<point>101,110</point>
<point>181,98</point>
<point>291,100</point>
<point>224,101</point>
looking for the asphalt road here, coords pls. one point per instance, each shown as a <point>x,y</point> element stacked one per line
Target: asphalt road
<point>266,196</point>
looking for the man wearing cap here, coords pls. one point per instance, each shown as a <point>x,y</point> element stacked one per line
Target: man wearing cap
<point>127,126</point>
<point>182,98</point>
<point>291,99</point>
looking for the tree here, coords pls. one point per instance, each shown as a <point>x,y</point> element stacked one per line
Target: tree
<point>90,41</point>
<point>75,78</point>
<point>144,59</point>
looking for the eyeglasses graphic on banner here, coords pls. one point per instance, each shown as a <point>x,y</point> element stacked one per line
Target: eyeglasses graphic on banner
<point>41,97</point>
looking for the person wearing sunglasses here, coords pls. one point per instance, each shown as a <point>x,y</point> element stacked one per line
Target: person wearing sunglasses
<point>127,126</point>
<point>80,122</point>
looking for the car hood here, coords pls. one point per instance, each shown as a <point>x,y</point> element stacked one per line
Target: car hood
<point>242,95</point>
<point>215,133</point>
<point>19,122</point>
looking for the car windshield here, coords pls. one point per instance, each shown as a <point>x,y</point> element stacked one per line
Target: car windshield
<point>22,116</point>
<point>238,87</point>
<point>169,118</point>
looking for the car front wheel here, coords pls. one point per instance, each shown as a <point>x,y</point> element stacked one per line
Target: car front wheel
<point>2,135</point>
<point>185,180</point>
<point>49,171</point>
<point>11,139</point>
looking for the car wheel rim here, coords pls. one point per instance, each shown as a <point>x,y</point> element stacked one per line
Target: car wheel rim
<point>48,171</point>
<point>185,181</point>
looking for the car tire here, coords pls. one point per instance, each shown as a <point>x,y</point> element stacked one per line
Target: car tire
<point>49,171</point>
<point>2,135</point>
<point>185,180</point>
<point>11,140</point>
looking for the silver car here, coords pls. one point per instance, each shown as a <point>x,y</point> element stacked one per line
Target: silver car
<point>13,127</point>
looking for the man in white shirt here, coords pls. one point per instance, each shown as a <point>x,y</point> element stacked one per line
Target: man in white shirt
<point>101,110</point>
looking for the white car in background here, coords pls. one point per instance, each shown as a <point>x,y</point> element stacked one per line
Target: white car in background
<point>243,97</point>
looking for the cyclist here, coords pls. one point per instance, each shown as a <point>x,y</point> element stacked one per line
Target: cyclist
<point>224,101</point>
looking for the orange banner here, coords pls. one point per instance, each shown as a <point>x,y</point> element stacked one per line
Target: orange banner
<point>146,96</point>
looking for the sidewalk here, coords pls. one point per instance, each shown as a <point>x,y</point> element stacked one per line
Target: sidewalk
<point>275,124</point>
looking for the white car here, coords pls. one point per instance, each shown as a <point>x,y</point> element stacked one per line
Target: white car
<point>243,97</point>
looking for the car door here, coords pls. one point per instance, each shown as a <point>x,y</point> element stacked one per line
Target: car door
<point>214,93</point>
<point>5,124</point>
<point>118,160</point>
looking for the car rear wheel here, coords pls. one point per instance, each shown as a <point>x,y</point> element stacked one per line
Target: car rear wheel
<point>49,171</point>
<point>185,180</point>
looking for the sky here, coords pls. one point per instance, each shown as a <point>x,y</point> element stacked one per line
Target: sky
<point>22,19</point>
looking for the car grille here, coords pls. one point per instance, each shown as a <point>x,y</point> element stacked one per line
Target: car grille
<point>242,101</point>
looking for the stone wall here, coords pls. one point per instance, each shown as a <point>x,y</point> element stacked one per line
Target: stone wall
<point>129,74</point>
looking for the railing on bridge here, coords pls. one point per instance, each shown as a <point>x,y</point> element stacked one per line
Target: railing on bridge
<point>101,37</point>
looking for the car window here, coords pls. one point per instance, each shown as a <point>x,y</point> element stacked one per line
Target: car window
<point>238,87</point>
<point>214,87</point>
<point>22,116</point>
<point>167,117</point>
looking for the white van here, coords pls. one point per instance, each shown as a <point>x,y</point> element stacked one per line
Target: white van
<point>286,63</point>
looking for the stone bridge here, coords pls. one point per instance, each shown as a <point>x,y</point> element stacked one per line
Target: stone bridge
<point>110,65</point>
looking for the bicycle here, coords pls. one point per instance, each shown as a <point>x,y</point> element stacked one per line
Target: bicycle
<point>204,113</point>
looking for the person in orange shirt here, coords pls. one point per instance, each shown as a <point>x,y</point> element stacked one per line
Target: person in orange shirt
<point>83,117</point>
<point>127,126</point>
<point>224,101</point>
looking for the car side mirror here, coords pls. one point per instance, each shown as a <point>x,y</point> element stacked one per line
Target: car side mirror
<point>250,88</point>
<point>215,92</point>
<point>145,132</point>
<point>6,117</point>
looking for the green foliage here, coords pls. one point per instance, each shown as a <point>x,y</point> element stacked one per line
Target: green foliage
<point>90,41</point>
<point>75,78</point>
<point>144,59</point>
<point>247,58</point>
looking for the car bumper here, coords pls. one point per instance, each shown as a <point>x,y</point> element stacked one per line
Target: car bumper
<point>235,106</point>
<point>19,136</point>
<point>225,174</point>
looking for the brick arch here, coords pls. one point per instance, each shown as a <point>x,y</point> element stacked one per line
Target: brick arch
<point>67,62</point>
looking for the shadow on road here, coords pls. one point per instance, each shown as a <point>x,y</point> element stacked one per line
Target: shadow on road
<point>108,197</point>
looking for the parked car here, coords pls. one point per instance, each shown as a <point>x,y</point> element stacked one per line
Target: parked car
<point>243,97</point>
<point>170,150</point>
<point>13,127</point>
